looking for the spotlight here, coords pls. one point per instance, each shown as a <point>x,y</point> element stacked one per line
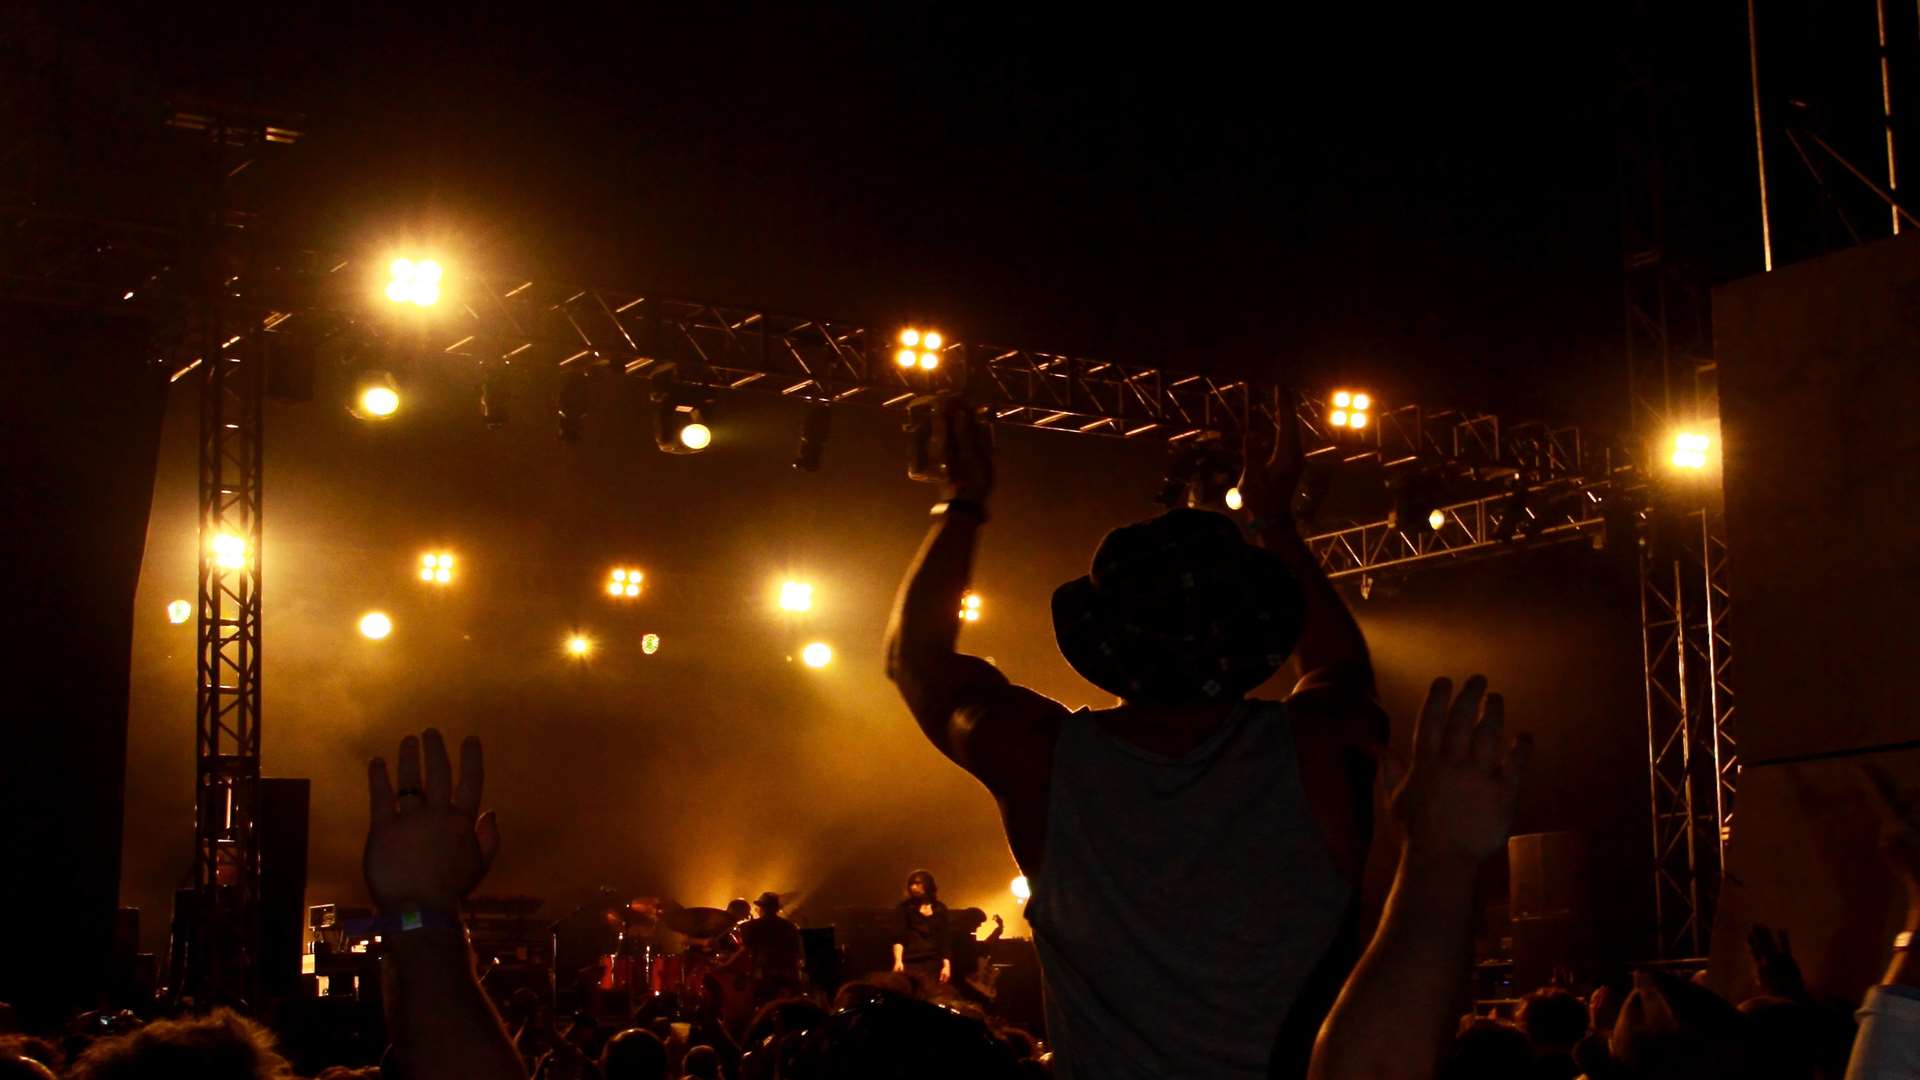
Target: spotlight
<point>817,655</point>
<point>436,567</point>
<point>682,424</point>
<point>375,626</point>
<point>376,396</point>
<point>412,282</point>
<point>919,348</point>
<point>1417,498</point>
<point>570,406</point>
<point>650,644</point>
<point>496,396</point>
<point>1690,450</point>
<point>1350,409</point>
<point>813,437</point>
<point>579,646</point>
<point>970,607</point>
<point>1234,499</point>
<point>1021,890</point>
<point>796,596</point>
<point>1437,520</point>
<point>179,611</point>
<point>624,583</point>
<point>229,551</point>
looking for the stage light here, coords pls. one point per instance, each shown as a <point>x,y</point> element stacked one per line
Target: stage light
<point>796,596</point>
<point>624,583</point>
<point>1690,450</point>
<point>970,607</point>
<point>683,418</point>
<point>374,625</point>
<point>571,404</point>
<point>179,611</point>
<point>650,644</point>
<point>496,397</point>
<point>1234,499</point>
<point>817,655</point>
<point>376,396</point>
<point>1021,890</point>
<point>414,282</point>
<point>1436,520</point>
<point>1349,409</point>
<point>919,348</point>
<point>579,646</point>
<point>229,552</point>
<point>815,428</point>
<point>436,567</point>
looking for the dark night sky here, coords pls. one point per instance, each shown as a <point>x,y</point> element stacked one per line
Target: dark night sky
<point>1424,202</point>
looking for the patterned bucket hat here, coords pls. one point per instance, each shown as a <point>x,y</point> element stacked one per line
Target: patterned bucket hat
<point>1179,608</point>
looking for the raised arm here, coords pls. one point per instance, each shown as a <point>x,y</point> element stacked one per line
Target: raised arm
<point>1331,653</point>
<point>1397,1010</point>
<point>1001,733</point>
<point>427,847</point>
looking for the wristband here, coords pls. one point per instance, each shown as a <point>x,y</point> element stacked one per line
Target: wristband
<point>973,508</point>
<point>401,922</point>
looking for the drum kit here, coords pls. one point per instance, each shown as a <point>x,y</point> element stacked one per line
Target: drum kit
<point>695,974</point>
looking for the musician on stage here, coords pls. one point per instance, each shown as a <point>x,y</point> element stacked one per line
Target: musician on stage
<point>922,942</point>
<point>772,943</point>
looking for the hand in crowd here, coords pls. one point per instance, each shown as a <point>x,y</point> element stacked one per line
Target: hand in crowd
<point>428,845</point>
<point>1456,796</point>
<point>968,449</point>
<point>1774,967</point>
<point>1899,833</point>
<point>1273,461</point>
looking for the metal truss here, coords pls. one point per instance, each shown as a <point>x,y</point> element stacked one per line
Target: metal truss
<point>1542,514</point>
<point>1671,380</point>
<point>1692,753</point>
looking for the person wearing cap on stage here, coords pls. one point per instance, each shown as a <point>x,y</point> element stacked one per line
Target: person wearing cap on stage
<point>1193,852</point>
<point>772,943</point>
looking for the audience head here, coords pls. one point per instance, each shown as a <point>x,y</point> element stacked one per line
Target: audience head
<point>921,886</point>
<point>881,1033</point>
<point>1553,1019</point>
<point>701,1063</point>
<point>220,1046</point>
<point>15,1067</point>
<point>634,1054</point>
<point>1670,1028</point>
<point>1179,609</point>
<point>1487,1050</point>
<point>34,1048</point>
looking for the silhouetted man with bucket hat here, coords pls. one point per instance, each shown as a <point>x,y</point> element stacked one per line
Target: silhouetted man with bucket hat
<point>1194,853</point>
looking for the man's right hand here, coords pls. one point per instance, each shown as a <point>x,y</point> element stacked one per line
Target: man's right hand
<point>968,451</point>
<point>428,845</point>
<point>1456,798</point>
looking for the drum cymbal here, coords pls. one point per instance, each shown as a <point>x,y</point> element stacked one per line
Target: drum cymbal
<point>698,922</point>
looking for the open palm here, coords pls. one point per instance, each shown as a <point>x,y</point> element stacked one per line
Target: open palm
<point>427,843</point>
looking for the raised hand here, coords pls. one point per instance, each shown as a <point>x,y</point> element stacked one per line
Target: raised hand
<point>427,843</point>
<point>968,451</point>
<point>1272,461</point>
<point>1456,797</point>
<point>1774,967</point>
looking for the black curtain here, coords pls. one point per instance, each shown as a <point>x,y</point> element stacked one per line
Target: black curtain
<point>80,413</point>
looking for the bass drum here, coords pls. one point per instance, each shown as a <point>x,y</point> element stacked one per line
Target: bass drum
<point>666,973</point>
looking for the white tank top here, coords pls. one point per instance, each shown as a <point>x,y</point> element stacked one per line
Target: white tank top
<point>1183,902</point>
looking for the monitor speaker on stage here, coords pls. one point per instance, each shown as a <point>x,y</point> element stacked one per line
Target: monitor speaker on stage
<point>283,885</point>
<point>1550,897</point>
